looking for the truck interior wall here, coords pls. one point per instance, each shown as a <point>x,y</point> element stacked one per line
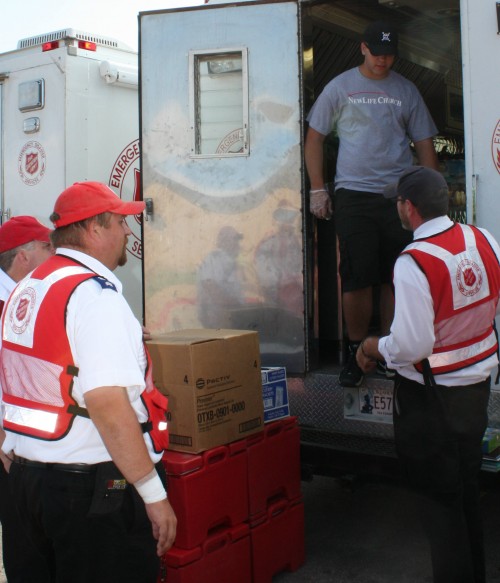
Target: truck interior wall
<point>331,35</point>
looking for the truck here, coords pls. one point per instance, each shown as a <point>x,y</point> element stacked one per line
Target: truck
<point>68,113</point>
<point>225,89</point>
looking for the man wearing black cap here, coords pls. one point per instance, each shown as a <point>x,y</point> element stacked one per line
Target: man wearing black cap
<point>443,347</point>
<point>376,113</point>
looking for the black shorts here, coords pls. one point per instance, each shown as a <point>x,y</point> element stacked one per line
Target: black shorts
<point>370,238</point>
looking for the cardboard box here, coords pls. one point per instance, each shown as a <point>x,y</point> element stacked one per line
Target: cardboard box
<point>274,393</point>
<point>213,383</point>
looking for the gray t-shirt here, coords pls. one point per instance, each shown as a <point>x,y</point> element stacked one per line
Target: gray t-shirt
<point>375,121</point>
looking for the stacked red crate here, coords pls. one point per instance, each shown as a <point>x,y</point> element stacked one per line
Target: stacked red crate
<point>208,491</point>
<point>275,500</point>
<point>234,505</point>
<point>209,494</point>
<point>224,557</point>
<point>277,540</point>
<point>273,465</point>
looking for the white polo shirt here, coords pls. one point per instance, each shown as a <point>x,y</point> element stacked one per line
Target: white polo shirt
<point>7,284</point>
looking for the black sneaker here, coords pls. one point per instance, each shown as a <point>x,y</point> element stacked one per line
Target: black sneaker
<point>351,375</point>
<point>382,370</point>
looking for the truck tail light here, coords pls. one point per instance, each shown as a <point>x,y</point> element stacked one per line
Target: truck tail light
<point>87,45</point>
<point>50,46</point>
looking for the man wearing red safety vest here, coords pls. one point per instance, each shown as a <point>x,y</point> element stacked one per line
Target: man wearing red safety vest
<point>443,346</point>
<point>24,244</point>
<point>77,392</point>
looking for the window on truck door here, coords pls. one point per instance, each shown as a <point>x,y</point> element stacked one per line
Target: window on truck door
<point>219,103</point>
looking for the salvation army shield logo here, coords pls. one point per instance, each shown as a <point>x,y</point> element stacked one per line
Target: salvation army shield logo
<point>21,310</point>
<point>31,163</point>
<point>469,277</point>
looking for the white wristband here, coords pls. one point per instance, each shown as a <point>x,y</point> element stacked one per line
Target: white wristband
<point>150,488</point>
<point>318,190</point>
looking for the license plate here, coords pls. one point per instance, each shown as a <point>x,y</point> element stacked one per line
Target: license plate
<point>376,401</point>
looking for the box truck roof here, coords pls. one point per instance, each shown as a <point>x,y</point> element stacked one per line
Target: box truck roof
<point>71,37</point>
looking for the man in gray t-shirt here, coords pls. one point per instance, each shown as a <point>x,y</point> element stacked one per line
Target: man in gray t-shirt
<point>376,114</point>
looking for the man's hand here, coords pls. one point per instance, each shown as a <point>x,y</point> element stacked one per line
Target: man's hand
<point>146,334</point>
<point>320,204</point>
<point>367,354</point>
<point>164,524</point>
<point>6,460</point>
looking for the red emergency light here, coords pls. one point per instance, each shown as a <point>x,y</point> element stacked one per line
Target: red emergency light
<point>87,45</point>
<point>50,46</point>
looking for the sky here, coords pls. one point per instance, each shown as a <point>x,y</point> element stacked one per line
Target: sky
<point>113,18</point>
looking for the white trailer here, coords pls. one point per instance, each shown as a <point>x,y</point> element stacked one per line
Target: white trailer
<point>225,92</point>
<point>69,112</point>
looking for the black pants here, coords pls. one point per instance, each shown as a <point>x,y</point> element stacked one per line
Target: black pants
<point>81,543</point>
<point>22,561</point>
<point>438,433</point>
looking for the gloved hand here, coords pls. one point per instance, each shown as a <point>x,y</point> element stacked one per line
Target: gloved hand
<point>320,204</point>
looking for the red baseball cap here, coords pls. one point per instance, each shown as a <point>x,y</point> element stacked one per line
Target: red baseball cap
<point>88,199</point>
<point>21,230</point>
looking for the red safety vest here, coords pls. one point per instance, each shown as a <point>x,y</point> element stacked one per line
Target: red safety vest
<point>464,280</point>
<point>37,370</point>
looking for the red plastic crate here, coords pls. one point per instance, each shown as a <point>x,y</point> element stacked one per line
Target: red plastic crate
<point>224,557</point>
<point>273,465</point>
<point>277,540</point>
<point>208,491</point>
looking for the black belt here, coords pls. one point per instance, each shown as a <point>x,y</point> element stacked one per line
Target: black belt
<point>74,468</point>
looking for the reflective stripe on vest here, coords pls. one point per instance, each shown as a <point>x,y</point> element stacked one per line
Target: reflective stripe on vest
<point>449,360</point>
<point>29,418</point>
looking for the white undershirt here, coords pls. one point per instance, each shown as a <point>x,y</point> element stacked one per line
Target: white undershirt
<point>7,284</point>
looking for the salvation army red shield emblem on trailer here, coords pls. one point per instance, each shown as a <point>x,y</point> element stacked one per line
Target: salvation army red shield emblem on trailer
<point>32,163</point>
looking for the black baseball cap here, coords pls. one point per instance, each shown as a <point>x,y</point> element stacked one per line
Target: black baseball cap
<point>417,184</point>
<point>381,38</point>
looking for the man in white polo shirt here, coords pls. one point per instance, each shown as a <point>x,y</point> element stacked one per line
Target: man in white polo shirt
<point>90,426</point>
<point>443,346</point>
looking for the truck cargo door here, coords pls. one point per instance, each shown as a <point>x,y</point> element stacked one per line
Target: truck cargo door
<point>221,158</point>
<point>481,47</point>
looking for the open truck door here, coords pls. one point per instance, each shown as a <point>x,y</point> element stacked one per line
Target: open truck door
<point>222,173</point>
<point>229,241</point>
